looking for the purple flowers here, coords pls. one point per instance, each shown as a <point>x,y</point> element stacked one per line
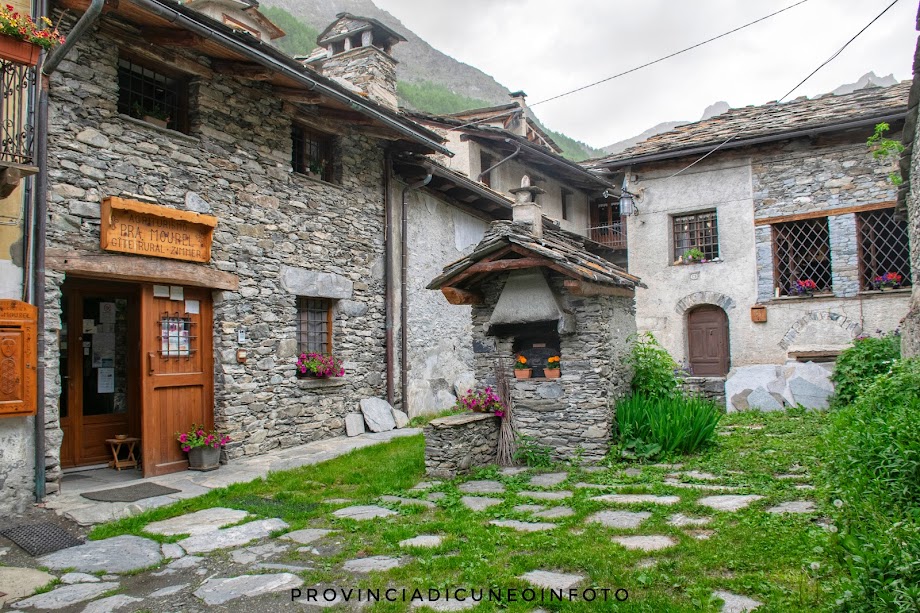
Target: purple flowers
<point>482,402</point>
<point>318,365</point>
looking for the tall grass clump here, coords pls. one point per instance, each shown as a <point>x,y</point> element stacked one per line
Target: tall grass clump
<point>872,450</point>
<point>858,366</point>
<point>660,426</point>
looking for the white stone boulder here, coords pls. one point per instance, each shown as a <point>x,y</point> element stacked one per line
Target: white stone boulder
<point>378,414</point>
<point>401,419</point>
<point>808,384</point>
<point>354,424</point>
<point>758,387</point>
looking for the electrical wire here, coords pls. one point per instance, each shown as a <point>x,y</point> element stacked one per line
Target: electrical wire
<point>669,56</point>
<point>789,93</point>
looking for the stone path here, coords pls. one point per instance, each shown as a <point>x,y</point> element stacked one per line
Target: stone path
<point>735,603</point>
<point>482,487</point>
<point>728,502</point>
<point>552,580</point>
<point>548,479</point>
<point>645,543</point>
<point>480,503</point>
<point>363,512</point>
<point>219,591</point>
<point>637,499</point>
<point>620,519</point>
<point>560,495</point>
<point>522,526</point>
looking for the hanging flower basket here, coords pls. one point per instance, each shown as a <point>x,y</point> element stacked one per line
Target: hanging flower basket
<point>18,51</point>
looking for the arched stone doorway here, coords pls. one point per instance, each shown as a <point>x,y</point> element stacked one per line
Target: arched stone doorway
<point>708,346</point>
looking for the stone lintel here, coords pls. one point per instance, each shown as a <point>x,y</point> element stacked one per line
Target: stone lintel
<point>452,421</point>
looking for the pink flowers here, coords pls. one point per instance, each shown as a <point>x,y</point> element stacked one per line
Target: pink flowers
<point>482,402</point>
<point>889,279</point>
<point>197,436</point>
<point>321,366</point>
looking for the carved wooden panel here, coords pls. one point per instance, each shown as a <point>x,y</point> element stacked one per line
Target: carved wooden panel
<point>18,358</point>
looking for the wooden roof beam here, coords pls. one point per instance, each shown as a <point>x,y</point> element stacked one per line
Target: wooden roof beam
<point>297,95</point>
<point>243,70</point>
<point>171,37</point>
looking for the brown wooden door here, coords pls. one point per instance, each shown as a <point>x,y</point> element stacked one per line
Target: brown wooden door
<point>99,366</point>
<point>707,331</point>
<point>178,372</point>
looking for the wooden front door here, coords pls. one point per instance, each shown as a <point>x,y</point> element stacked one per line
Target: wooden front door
<point>707,331</point>
<point>99,367</point>
<point>178,371</point>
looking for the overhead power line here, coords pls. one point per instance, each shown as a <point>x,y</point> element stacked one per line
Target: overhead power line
<point>669,56</point>
<point>789,93</point>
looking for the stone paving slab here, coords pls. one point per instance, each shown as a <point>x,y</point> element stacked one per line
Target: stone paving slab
<point>694,474</point>
<point>529,508</point>
<point>248,555</point>
<point>633,472</point>
<point>71,578</point>
<point>21,582</point>
<point>306,536</point>
<point>729,502</point>
<point>424,485</point>
<point>701,535</point>
<point>701,486</point>
<point>291,568</point>
<point>436,496</point>
<point>654,542</point>
<point>593,469</point>
<point>511,471</point>
<point>371,564</point>
<point>479,503</point>
<point>120,554</point>
<point>804,486</point>
<point>548,479</point>
<point>199,522</point>
<point>408,501</point>
<point>171,551</point>
<point>581,485</point>
<point>231,537</point>
<point>112,603</point>
<point>65,596</point>
<point>637,499</point>
<point>218,591</point>
<point>555,513</point>
<point>680,520</point>
<point>363,512</point>
<point>482,487</point>
<point>551,580</point>
<point>735,603</point>
<point>560,495</point>
<point>619,519</point>
<point>794,506</point>
<point>423,540</point>
<point>168,591</point>
<point>522,526</point>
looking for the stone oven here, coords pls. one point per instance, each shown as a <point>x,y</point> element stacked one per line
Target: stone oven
<point>539,291</point>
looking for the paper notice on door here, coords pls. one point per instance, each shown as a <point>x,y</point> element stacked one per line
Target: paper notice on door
<point>103,350</point>
<point>192,307</point>
<point>106,381</point>
<point>161,291</point>
<point>176,292</point>
<point>89,326</point>
<point>106,312</point>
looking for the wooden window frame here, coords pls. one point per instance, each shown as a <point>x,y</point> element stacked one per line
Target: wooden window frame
<point>783,272</point>
<point>696,238</point>
<point>305,306</point>
<point>869,226</point>
<point>304,140</point>
<point>179,88</point>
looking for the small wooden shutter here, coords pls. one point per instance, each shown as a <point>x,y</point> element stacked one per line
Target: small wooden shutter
<point>18,353</point>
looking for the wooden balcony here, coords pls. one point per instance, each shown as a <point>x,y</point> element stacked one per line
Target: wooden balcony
<point>612,236</point>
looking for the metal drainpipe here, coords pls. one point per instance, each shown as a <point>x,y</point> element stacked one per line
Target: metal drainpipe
<point>390,296</point>
<point>499,163</point>
<point>404,292</point>
<point>40,217</point>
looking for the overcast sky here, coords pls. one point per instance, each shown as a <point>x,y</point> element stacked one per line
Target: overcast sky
<point>547,47</point>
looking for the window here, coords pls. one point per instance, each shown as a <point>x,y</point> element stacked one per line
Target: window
<point>608,227</point>
<point>883,247</point>
<point>314,325</point>
<point>699,231</point>
<point>148,94</point>
<point>801,252</point>
<point>312,153</point>
<point>567,203</point>
<point>486,162</point>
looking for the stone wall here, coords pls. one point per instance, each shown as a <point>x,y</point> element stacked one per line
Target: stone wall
<point>910,327</point>
<point>17,463</point>
<point>457,443</point>
<point>572,414</point>
<point>278,231</point>
<point>369,69</point>
<point>711,388</point>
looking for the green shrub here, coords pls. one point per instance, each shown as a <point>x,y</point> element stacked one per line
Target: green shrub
<point>531,453</point>
<point>873,472</point>
<point>654,370</point>
<point>857,366</point>
<point>649,426</point>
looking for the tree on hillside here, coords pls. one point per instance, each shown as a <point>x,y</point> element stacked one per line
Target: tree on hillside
<point>299,39</point>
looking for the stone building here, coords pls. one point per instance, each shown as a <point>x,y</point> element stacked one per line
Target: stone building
<point>537,291</point>
<point>733,211</point>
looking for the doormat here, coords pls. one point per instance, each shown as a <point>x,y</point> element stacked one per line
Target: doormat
<point>39,539</point>
<point>132,493</point>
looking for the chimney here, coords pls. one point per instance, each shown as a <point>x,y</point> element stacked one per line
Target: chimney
<point>519,125</point>
<point>526,210</point>
<point>357,54</point>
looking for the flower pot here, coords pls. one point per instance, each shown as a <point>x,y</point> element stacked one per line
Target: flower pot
<point>204,458</point>
<point>160,123</point>
<point>887,288</point>
<point>19,51</point>
<point>551,373</point>
<point>523,373</point>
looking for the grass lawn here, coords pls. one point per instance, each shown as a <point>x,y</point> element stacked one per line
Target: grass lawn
<point>784,561</point>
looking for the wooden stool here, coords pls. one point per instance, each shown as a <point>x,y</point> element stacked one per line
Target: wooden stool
<point>115,444</point>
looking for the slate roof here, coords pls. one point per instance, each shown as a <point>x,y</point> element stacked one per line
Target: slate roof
<point>567,250</point>
<point>346,24</point>
<point>768,122</point>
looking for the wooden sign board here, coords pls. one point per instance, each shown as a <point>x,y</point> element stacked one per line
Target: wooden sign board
<point>139,228</point>
<point>18,358</point>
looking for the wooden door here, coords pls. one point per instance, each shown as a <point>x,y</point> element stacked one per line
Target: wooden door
<point>99,366</point>
<point>178,371</point>
<point>707,331</point>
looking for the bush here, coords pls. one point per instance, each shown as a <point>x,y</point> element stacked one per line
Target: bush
<point>857,366</point>
<point>654,370</point>
<point>873,470</point>
<point>649,426</point>
<point>531,453</point>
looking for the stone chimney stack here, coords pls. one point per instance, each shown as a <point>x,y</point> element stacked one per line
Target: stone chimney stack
<point>519,125</point>
<point>526,210</point>
<point>356,52</point>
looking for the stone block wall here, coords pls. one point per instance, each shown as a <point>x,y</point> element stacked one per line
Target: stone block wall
<point>711,388</point>
<point>457,443</point>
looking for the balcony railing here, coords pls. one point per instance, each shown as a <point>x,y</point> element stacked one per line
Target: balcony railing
<point>16,114</point>
<point>612,236</point>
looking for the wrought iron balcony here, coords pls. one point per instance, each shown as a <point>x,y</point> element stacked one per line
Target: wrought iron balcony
<point>16,147</point>
<point>612,235</point>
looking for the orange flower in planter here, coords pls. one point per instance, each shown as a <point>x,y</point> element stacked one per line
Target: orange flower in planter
<point>521,363</point>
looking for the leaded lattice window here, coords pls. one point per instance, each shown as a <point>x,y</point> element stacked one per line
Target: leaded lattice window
<point>312,153</point>
<point>148,94</point>
<point>883,248</point>
<point>801,252</point>
<point>314,325</point>
<point>698,231</point>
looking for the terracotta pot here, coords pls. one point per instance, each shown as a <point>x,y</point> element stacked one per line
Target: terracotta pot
<point>523,373</point>
<point>551,373</point>
<point>204,458</point>
<point>886,288</point>
<point>18,51</point>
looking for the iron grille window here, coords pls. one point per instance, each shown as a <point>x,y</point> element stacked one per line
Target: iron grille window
<point>145,93</point>
<point>699,231</point>
<point>312,153</point>
<point>801,252</point>
<point>883,247</point>
<point>314,325</point>
<point>15,112</point>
